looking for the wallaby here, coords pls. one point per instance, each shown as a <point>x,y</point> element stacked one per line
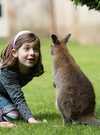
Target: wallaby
<point>75,93</point>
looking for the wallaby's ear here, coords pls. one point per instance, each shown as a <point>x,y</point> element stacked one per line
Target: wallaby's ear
<point>54,39</point>
<point>65,40</point>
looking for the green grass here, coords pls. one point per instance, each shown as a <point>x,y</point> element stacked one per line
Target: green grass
<point>40,94</point>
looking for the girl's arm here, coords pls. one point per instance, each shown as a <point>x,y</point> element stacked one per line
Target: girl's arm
<point>13,89</point>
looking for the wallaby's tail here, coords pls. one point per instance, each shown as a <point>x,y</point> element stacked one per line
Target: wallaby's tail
<point>94,122</point>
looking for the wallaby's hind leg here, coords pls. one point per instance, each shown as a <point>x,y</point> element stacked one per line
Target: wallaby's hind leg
<point>89,120</point>
<point>65,110</point>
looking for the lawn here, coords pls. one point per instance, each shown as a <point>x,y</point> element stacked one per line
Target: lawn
<point>40,94</point>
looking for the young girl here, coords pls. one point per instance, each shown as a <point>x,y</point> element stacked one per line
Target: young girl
<point>20,62</point>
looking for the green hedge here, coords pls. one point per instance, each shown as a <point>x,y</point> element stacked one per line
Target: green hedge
<point>92,4</point>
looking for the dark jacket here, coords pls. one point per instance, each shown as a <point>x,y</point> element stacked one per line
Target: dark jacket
<point>11,83</point>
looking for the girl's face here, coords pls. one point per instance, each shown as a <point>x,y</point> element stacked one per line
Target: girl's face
<point>27,54</point>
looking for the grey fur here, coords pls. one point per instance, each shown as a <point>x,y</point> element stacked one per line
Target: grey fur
<point>75,93</point>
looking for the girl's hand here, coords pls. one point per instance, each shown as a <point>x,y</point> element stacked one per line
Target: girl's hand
<point>33,121</point>
<point>7,124</point>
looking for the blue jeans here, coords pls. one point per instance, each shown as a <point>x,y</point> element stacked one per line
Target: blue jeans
<point>6,105</point>
<point>7,110</point>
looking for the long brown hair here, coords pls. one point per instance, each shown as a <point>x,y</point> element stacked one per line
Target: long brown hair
<point>7,59</point>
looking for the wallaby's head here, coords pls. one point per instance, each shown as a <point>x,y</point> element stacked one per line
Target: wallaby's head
<point>58,45</point>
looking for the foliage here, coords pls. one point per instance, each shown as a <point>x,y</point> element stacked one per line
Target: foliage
<point>92,4</point>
